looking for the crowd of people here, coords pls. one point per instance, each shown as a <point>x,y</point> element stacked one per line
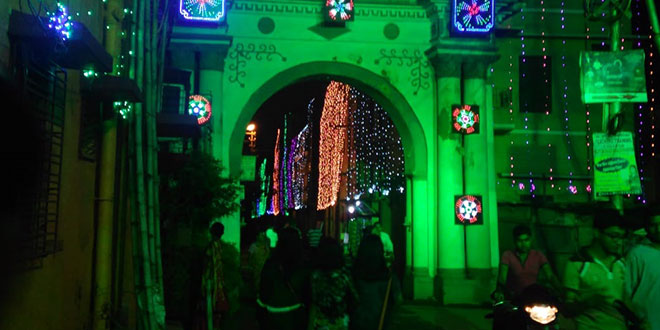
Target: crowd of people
<point>325,289</point>
<point>311,282</point>
<point>613,283</point>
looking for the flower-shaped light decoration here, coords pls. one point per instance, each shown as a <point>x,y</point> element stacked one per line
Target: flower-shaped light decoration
<point>202,10</point>
<point>200,107</point>
<point>61,23</point>
<point>466,118</point>
<point>339,10</point>
<point>474,15</point>
<point>468,209</point>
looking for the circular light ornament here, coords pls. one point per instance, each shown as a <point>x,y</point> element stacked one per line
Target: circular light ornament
<point>339,10</point>
<point>200,107</point>
<point>466,119</point>
<point>542,314</point>
<point>468,210</point>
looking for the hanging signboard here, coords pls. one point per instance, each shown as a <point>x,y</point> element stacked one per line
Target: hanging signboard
<point>613,76</point>
<point>468,210</point>
<point>615,168</point>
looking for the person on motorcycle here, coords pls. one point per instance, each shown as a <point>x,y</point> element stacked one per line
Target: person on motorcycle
<point>594,278</point>
<point>520,268</point>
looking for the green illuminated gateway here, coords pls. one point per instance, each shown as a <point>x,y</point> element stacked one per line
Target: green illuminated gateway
<point>419,60</point>
<point>402,55</point>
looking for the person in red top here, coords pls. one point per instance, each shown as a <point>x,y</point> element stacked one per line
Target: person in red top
<point>520,268</point>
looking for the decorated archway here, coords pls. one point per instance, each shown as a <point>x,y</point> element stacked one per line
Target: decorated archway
<point>399,110</point>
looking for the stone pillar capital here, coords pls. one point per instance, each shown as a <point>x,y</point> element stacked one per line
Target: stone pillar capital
<point>213,60</point>
<point>445,65</point>
<point>475,67</point>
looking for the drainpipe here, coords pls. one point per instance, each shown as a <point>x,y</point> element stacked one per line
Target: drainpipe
<point>102,287</point>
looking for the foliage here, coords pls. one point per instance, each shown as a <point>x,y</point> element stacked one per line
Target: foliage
<point>197,192</point>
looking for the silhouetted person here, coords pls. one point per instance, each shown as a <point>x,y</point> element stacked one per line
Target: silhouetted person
<point>643,275</point>
<point>374,285</point>
<point>594,277</point>
<point>213,284</point>
<point>521,267</point>
<point>333,294</point>
<point>284,290</point>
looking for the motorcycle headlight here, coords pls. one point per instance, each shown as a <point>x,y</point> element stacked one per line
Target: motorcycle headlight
<point>542,314</point>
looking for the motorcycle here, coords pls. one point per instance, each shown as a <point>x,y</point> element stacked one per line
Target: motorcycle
<point>535,308</point>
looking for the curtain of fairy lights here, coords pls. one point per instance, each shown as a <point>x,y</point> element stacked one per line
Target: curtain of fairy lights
<point>284,196</point>
<point>289,170</point>
<point>375,151</point>
<point>331,144</point>
<point>263,196</point>
<point>275,203</point>
<point>300,168</point>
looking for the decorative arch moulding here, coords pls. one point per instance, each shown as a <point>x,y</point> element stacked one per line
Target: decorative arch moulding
<point>316,8</point>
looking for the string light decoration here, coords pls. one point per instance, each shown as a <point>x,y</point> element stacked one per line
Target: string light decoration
<point>262,201</point>
<point>511,116</point>
<point>289,178</point>
<point>644,112</point>
<point>468,210</point>
<point>546,81</point>
<point>587,111</point>
<point>339,10</point>
<point>331,144</point>
<point>526,114</point>
<point>465,119</point>
<point>60,22</point>
<point>564,72</point>
<point>202,10</point>
<point>200,107</point>
<point>375,152</point>
<point>275,201</point>
<point>284,196</point>
<point>300,168</point>
<point>123,108</point>
<point>473,15</point>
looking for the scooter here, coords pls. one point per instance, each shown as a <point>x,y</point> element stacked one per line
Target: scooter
<point>535,308</point>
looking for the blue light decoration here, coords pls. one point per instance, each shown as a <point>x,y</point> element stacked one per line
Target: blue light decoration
<point>339,10</point>
<point>199,107</point>
<point>202,10</point>
<point>476,16</point>
<point>61,23</point>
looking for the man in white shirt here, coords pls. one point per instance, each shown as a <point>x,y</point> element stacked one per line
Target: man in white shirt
<point>388,248</point>
<point>642,281</point>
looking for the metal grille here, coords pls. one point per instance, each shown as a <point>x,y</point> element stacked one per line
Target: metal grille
<point>44,87</point>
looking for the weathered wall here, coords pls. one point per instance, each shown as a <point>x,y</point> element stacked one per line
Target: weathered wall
<point>58,294</point>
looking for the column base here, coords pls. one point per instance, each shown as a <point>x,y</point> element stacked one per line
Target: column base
<point>423,285</point>
<point>455,288</point>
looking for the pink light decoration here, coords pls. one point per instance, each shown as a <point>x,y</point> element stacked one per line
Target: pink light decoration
<point>276,177</point>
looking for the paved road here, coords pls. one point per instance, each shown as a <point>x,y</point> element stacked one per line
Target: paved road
<point>409,316</point>
<point>420,316</point>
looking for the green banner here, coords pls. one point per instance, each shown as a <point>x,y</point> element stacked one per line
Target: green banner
<point>615,167</point>
<point>613,76</point>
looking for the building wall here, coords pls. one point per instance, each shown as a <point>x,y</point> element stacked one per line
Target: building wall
<point>58,294</point>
